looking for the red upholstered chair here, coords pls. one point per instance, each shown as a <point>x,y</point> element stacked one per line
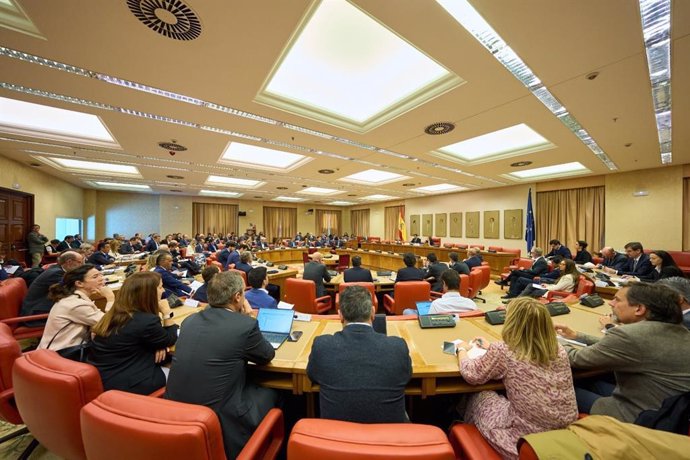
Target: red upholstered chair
<point>50,391</point>
<point>369,286</point>
<point>485,280</point>
<point>496,248</point>
<point>476,277</point>
<point>584,286</point>
<point>469,444</point>
<point>313,250</point>
<point>302,293</point>
<point>480,246</point>
<point>313,439</point>
<point>216,263</point>
<point>241,273</point>
<point>343,263</point>
<point>435,241</point>
<point>460,245</point>
<point>522,264</point>
<point>407,294</point>
<point>465,285</point>
<point>119,425</point>
<point>12,293</point>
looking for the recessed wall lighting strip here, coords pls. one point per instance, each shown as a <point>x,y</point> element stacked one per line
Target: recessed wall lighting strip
<point>471,20</point>
<point>656,29</point>
<point>8,52</point>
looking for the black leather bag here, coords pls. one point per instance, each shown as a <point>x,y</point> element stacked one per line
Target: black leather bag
<point>592,301</point>
<point>75,352</point>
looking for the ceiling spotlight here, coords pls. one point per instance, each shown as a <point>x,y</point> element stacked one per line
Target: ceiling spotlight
<point>282,188</point>
<point>35,165</point>
<point>352,194</point>
<point>409,184</point>
<point>172,146</point>
<point>326,171</point>
<point>629,144</point>
<point>442,127</point>
<point>519,164</point>
<point>174,177</point>
<point>592,75</point>
<point>175,190</point>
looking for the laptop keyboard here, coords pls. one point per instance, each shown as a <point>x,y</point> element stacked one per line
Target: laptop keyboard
<point>274,337</point>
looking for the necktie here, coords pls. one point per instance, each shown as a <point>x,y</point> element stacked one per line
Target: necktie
<point>634,264</point>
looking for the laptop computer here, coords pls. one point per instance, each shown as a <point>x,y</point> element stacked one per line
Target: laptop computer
<point>423,307</point>
<point>275,325</point>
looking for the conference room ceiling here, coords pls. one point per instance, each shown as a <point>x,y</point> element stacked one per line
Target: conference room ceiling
<point>242,45</point>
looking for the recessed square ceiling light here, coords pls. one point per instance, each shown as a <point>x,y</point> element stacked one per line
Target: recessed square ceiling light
<point>252,156</point>
<point>288,198</point>
<point>29,119</point>
<point>515,140</point>
<point>341,203</point>
<point>439,188</point>
<point>90,167</point>
<point>234,181</point>
<point>378,197</point>
<point>373,177</point>
<point>566,169</point>
<point>121,185</point>
<point>375,70</point>
<point>220,193</point>
<point>320,191</point>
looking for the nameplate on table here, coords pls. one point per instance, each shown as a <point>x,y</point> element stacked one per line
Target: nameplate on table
<point>191,303</point>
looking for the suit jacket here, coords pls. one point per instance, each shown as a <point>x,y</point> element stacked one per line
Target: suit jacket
<point>259,298</point>
<point>618,261</point>
<point>435,271</point>
<point>649,360</point>
<point>201,294</point>
<point>642,269</point>
<point>244,267</point>
<point>233,258</point>
<point>686,319</point>
<point>362,375</point>
<point>76,244</point>
<point>36,300</point>
<point>539,267</point>
<point>98,258</point>
<point>317,273</point>
<point>210,368</point>
<point>461,267</point>
<point>63,246</point>
<point>171,284</point>
<point>474,261</point>
<point>410,274</point>
<point>582,257</point>
<point>562,251</point>
<point>151,246</point>
<point>36,242</point>
<point>666,272</point>
<point>417,240</point>
<point>126,358</point>
<point>126,248</point>
<point>356,274</point>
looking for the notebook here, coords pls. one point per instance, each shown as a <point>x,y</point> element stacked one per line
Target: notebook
<point>275,325</point>
<point>423,307</point>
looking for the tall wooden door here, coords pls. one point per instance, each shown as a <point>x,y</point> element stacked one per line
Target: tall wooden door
<point>16,215</point>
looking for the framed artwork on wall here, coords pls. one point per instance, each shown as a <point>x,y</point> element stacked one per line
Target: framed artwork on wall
<point>492,222</point>
<point>427,225</point>
<point>414,224</point>
<point>512,224</point>
<point>440,224</point>
<point>455,225</point>
<point>472,224</point>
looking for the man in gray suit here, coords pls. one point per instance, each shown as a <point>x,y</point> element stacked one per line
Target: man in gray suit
<point>682,287</point>
<point>648,353</point>
<point>362,373</point>
<point>317,272</point>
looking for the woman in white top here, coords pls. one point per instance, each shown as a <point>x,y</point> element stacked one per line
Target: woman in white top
<point>73,313</point>
<point>567,281</point>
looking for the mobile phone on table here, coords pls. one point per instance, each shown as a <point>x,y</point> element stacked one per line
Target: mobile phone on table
<point>294,336</point>
<point>449,348</point>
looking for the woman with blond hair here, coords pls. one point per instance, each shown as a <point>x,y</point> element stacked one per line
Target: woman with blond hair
<point>129,341</point>
<point>535,371</point>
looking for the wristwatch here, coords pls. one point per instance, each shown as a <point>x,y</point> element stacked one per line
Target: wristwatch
<point>169,315</point>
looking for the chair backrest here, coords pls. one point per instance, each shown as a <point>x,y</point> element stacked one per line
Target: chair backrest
<point>460,245</point>
<point>496,248</point>
<point>480,246</point>
<point>524,263</point>
<point>312,250</point>
<point>119,425</point>
<point>476,277</point>
<point>344,260</point>
<point>183,252</point>
<point>242,273</point>
<point>486,275</point>
<point>435,241</point>
<point>408,293</point>
<point>9,352</point>
<point>584,286</point>
<point>50,391</point>
<point>301,293</point>
<point>305,257</point>
<point>12,292</point>
<point>338,440</point>
<point>465,285</point>
<point>369,286</point>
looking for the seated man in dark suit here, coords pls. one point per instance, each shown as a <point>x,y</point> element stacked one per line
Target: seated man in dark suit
<point>539,266</point>
<point>458,266</point>
<point>171,284</point>
<point>557,249</point>
<point>638,263</point>
<point>101,257</point>
<point>362,373</point>
<point>317,272</point>
<point>258,296</point>
<point>77,242</point>
<point>245,262</point>
<point>128,246</point>
<point>207,273</point>
<point>410,272</point>
<point>153,244</point>
<point>682,287</point>
<point>229,256</point>
<point>416,239</point>
<point>36,301</point>
<point>474,258</point>
<point>357,273</point>
<point>66,244</point>
<point>613,259</point>
<point>433,272</point>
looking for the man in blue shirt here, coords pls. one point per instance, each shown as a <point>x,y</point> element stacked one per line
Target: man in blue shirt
<point>557,249</point>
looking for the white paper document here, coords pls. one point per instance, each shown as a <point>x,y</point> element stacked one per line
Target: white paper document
<point>195,285</point>
<point>191,303</point>
<point>285,306</point>
<point>302,317</point>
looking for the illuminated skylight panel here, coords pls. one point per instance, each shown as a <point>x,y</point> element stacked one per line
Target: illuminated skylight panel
<point>252,156</point>
<point>220,193</point>
<point>122,185</point>
<point>378,197</point>
<point>26,118</point>
<point>341,203</point>
<point>234,181</point>
<point>346,63</point>
<point>320,191</point>
<point>90,166</point>
<point>512,140</point>
<point>288,198</point>
<point>373,177</point>
<point>439,188</point>
<point>566,169</point>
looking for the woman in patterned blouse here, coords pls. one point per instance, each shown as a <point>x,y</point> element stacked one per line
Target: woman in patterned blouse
<point>536,374</point>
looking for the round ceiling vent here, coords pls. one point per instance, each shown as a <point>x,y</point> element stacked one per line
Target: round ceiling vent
<point>170,18</point>
<point>170,176</point>
<point>175,190</point>
<point>172,146</point>
<point>326,171</point>
<point>442,127</point>
<point>519,164</point>
<point>282,188</point>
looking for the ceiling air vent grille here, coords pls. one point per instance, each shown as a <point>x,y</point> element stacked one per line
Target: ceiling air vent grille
<point>170,18</point>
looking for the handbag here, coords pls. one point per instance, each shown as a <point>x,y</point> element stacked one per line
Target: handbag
<point>592,300</point>
<point>174,301</point>
<point>78,352</point>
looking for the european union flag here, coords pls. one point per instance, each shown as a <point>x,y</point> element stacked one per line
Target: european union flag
<point>529,229</point>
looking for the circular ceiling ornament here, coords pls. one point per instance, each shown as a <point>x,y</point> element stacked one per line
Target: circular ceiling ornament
<point>326,171</point>
<point>519,164</point>
<point>172,146</point>
<point>441,127</point>
<point>170,18</point>
<point>174,177</point>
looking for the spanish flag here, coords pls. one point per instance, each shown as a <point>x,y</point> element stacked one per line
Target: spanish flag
<point>402,231</point>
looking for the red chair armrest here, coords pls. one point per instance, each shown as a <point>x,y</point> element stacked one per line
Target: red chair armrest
<point>388,303</point>
<point>267,439</point>
<point>158,393</point>
<point>324,299</point>
<point>469,443</point>
<point>471,314</point>
<point>23,319</point>
<point>557,294</point>
<point>435,295</point>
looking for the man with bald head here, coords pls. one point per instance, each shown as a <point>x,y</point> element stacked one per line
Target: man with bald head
<point>613,259</point>
<point>317,272</point>
<point>36,301</point>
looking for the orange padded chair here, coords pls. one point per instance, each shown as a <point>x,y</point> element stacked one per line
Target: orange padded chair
<point>517,253</point>
<point>302,293</point>
<point>485,280</point>
<point>50,391</point>
<point>407,294</point>
<point>465,286</point>
<point>369,286</point>
<point>460,245</point>
<point>476,277</point>
<point>480,246</point>
<point>343,263</point>
<point>584,286</point>
<point>469,443</point>
<point>12,293</point>
<point>435,241</point>
<point>119,425</point>
<point>316,439</point>
<point>496,248</point>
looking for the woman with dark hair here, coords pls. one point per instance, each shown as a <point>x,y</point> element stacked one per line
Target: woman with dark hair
<point>172,285</point>
<point>74,312</point>
<point>129,342</point>
<point>582,256</point>
<point>664,266</point>
<point>567,281</point>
